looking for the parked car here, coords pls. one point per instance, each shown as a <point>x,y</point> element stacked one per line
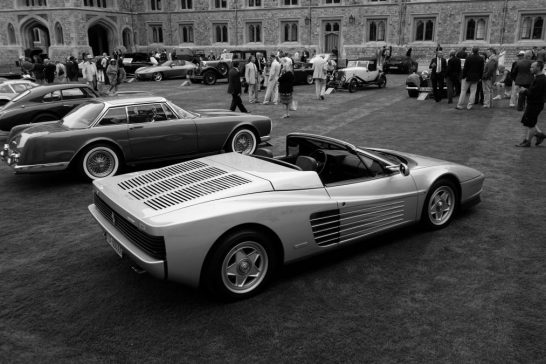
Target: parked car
<point>134,61</point>
<point>420,82</point>
<point>209,72</point>
<point>44,103</point>
<point>402,64</point>
<point>227,222</point>
<point>358,74</point>
<point>10,88</point>
<point>101,136</point>
<point>15,76</point>
<point>303,73</point>
<point>171,69</point>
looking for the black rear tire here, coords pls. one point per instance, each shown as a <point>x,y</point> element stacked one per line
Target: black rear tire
<point>240,266</point>
<point>353,85</point>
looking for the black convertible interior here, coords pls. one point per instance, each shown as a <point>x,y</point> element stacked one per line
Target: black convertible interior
<point>333,163</point>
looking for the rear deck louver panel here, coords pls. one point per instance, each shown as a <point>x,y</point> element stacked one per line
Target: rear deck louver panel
<point>183,182</point>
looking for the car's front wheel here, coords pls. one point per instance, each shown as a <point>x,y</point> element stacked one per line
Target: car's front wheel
<point>353,85</point>
<point>440,205</point>
<point>382,82</point>
<point>240,266</point>
<point>209,78</point>
<point>243,141</point>
<point>157,76</point>
<point>99,161</point>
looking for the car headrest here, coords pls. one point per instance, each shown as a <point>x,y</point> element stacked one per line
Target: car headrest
<point>306,163</point>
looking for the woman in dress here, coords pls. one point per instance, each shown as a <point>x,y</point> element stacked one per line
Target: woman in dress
<point>112,72</point>
<point>286,81</point>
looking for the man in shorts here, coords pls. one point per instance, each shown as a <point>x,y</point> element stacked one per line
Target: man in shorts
<point>536,96</point>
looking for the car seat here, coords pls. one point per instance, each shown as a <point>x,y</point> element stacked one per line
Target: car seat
<point>307,163</point>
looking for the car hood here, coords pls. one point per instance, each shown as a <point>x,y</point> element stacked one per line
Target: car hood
<point>147,194</point>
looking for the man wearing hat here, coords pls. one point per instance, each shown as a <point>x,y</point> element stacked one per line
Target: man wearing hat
<point>89,72</point>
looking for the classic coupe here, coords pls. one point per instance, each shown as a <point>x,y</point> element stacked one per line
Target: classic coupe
<point>10,88</point>
<point>177,68</point>
<point>103,135</point>
<point>358,74</point>
<point>229,221</point>
<point>44,103</point>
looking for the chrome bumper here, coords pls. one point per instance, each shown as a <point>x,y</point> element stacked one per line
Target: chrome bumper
<point>11,158</point>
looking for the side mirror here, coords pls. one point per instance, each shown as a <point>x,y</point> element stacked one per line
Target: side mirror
<point>402,168</point>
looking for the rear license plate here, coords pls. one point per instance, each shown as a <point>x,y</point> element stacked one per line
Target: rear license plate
<point>394,67</point>
<point>425,89</point>
<point>114,244</point>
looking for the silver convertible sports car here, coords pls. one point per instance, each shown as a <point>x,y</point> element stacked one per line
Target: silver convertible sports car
<point>99,137</point>
<point>229,221</point>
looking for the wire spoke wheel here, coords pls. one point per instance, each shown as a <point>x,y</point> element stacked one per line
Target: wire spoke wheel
<point>244,142</point>
<point>100,162</point>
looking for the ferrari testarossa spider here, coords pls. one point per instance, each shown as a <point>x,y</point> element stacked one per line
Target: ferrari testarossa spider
<point>228,222</point>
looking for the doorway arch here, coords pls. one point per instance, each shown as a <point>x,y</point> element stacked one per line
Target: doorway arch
<point>100,35</point>
<point>35,35</point>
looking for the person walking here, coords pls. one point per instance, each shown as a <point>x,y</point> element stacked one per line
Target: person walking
<point>39,71</point>
<point>453,75</point>
<point>438,68</point>
<point>472,72</point>
<point>49,71</point>
<point>536,96</point>
<point>234,88</point>
<point>489,77</point>
<point>252,79</point>
<point>72,69</point>
<point>272,90</point>
<point>522,81</point>
<point>112,73</point>
<point>320,68</point>
<point>286,81</point>
<point>60,71</point>
<point>89,72</point>
<point>513,74</point>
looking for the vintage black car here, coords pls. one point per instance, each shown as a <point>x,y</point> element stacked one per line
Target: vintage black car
<point>209,72</point>
<point>133,61</point>
<point>401,64</point>
<point>303,73</point>
<point>102,135</point>
<point>44,103</point>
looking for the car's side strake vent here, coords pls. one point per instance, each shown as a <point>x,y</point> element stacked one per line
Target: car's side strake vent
<point>159,174</point>
<point>325,226</point>
<point>195,191</point>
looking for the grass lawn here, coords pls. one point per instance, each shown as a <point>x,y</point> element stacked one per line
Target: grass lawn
<point>473,292</point>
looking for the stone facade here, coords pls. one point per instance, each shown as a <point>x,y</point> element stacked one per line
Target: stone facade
<point>70,27</point>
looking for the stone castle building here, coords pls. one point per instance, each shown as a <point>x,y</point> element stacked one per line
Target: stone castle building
<point>355,27</point>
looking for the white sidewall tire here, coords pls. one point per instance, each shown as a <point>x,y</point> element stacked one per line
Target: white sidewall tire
<point>100,151</point>
<point>241,133</point>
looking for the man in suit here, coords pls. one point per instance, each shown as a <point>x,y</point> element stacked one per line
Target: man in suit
<point>472,73</point>
<point>536,96</point>
<point>234,87</point>
<point>453,75</point>
<point>489,77</point>
<point>272,91</point>
<point>252,79</point>
<point>438,69</point>
<point>522,80</point>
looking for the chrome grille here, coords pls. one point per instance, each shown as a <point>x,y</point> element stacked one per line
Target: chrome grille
<point>325,226</point>
<point>154,246</point>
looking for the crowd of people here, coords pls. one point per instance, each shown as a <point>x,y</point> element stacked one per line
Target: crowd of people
<point>485,77</point>
<point>103,73</point>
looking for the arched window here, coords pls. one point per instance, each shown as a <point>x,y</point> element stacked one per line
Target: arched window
<point>537,27</point>
<point>420,31</point>
<point>328,27</point>
<point>470,29</point>
<point>526,28</point>
<point>254,32</point>
<point>429,30</point>
<point>480,31</point>
<point>126,37</point>
<point>59,39</point>
<point>294,37</point>
<point>336,27</point>
<point>373,32</point>
<point>224,33</point>
<point>221,31</point>
<point>424,29</point>
<point>381,31</point>
<point>11,34</point>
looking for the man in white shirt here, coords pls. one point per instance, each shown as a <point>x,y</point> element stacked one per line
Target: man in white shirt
<point>272,91</point>
<point>319,75</point>
<point>251,77</point>
<point>89,72</point>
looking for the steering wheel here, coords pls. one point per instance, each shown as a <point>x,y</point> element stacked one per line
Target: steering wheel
<point>321,159</point>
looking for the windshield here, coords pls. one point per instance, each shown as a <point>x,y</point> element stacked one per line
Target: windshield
<point>82,116</point>
<point>183,114</point>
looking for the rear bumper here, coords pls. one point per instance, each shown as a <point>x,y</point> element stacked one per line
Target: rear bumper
<point>157,268</point>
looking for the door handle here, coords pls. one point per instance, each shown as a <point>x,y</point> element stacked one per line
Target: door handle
<point>136,127</point>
